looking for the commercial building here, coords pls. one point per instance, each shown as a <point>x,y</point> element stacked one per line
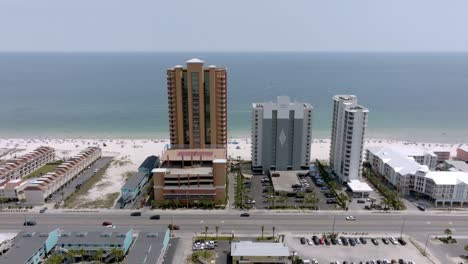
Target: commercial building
<point>149,164</point>
<point>149,247</point>
<point>197,105</point>
<point>24,165</point>
<point>281,135</point>
<point>133,187</point>
<point>462,153</point>
<point>12,189</point>
<point>40,189</point>
<point>347,139</point>
<point>30,247</point>
<point>259,252</point>
<point>411,178</point>
<point>191,174</point>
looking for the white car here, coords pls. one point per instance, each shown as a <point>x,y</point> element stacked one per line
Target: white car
<point>110,226</point>
<point>350,218</point>
<point>309,241</point>
<point>394,241</point>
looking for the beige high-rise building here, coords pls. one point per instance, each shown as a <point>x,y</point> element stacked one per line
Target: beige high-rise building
<point>197,106</point>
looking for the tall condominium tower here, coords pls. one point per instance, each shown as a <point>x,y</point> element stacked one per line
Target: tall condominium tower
<point>281,135</point>
<point>349,126</point>
<point>197,106</point>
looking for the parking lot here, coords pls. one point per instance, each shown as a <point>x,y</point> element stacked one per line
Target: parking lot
<point>359,252</point>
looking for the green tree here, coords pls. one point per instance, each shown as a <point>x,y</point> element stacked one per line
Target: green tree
<point>466,247</point>
<point>118,254</point>
<point>55,259</point>
<point>71,254</point>
<point>206,231</point>
<point>98,255</point>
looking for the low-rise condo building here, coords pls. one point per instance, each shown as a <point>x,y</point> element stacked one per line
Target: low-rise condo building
<point>12,189</point>
<point>40,189</point>
<point>24,165</point>
<point>412,178</point>
<point>462,153</point>
<point>191,174</point>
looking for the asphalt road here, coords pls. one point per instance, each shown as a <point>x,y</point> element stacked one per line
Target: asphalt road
<point>415,224</point>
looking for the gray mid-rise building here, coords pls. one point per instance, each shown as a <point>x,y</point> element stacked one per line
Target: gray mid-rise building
<point>281,135</point>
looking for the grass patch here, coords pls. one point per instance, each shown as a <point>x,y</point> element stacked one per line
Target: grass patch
<point>266,238</point>
<point>72,200</point>
<point>44,169</point>
<point>106,202</point>
<point>207,255</point>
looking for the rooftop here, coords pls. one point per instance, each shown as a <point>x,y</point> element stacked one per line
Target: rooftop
<point>193,154</point>
<point>458,165</point>
<point>359,186</point>
<point>100,235</point>
<point>134,181</point>
<point>191,171</point>
<point>260,249</point>
<point>195,60</point>
<point>399,162</point>
<point>147,248</point>
<point>448,177</point>
<point>285,181</point>
<point>150,162</point>
<point>464,147</point>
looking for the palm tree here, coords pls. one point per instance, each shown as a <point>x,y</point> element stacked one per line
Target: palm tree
<point>118,253</point>
<point>274,229</point>
<point>71,255</point>
<point>55,259</point>
<point>98,255</point>
<point>206,231</point>
<point>82,253</point>
<point>217,229</point>
<point>263,228</point>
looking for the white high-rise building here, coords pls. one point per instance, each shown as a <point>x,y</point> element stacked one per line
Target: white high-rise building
<point>281,135</point>
<point>347,139</point>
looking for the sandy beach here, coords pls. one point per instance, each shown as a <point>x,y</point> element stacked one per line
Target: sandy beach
<point>129,154</point>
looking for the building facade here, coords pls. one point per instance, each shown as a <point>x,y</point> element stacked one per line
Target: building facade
<point>12,189</point>
<point>281,135</point>
<point>347,139</point>
<point>197,105</point>
<point>24,165</point>
<point>40,189</point>
<point>412,178</point>
<point>462,153</point>
<point>188,175</point>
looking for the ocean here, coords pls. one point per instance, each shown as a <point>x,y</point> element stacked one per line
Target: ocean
<point>411,96</point>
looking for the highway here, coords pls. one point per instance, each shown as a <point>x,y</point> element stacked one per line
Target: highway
<point>413,224</point>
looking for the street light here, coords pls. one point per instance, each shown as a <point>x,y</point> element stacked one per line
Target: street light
<point>402,226</point>
<point>425,245</point>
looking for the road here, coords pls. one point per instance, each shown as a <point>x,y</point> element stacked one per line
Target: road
<point>415,224</point>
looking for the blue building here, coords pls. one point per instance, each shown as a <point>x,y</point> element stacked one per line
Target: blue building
<point>31,247</point>
<point>133,187</point>
<point>149,164</point>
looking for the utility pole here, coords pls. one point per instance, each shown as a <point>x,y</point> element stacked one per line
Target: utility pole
<point>334,221</point>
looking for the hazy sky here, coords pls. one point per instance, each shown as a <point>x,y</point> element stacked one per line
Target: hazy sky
<point>235,25</point>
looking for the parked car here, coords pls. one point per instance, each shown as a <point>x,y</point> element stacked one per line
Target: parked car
<point>316,240</point>
<point>421,207</point>
<point>344,240</point>
<point>155,217</point>
<point>393,240</point>
<point>361,201</point>
<point>363,240</point>
<point>352,242</point>
<point>244,214</point>
<point>385,241</point>
<point>332,201</point>
<point>303,241</point>
<point>350,218</point>
<point>375,242</point>
<point>135,214</point>
<point>309,241</point>
<point>29,223</point>
<point>401,241</point>
<point>327,241</point>
<point>43,210</point>
<point>333,241</point>
<point>324,188</point>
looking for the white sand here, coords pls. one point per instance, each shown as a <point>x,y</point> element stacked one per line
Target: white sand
<point>129,154</point>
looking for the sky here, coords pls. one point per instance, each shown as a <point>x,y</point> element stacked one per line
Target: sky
<point>236,25</point>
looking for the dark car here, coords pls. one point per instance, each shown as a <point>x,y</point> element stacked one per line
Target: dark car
<point>316,240</point>
<point>244,214</point>
<point>401,241</point>
<point>135,214</point>
<point>106,223</point>
<point>333,241</point>
<point>332,201</point>
<point>175,227</point>
<point>363,240</point>
<point>375,242</point>
<point>29,223</point>
<point>155,217</point>
<point>361,201</point>
<point>385,241</point>
<point>327,241</point>
<point>43,210</point>
<point>352,242</point>
<point>421,207</point>
<point>344,240</point>
<point>303,241</point>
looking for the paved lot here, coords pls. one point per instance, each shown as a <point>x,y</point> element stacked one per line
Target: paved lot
<point>448,253</point>
<point>81,178</point>
<point>171,251</point>
<point>326,254</point>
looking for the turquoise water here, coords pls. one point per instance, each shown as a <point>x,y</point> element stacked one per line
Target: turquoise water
<point>411,96</point>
